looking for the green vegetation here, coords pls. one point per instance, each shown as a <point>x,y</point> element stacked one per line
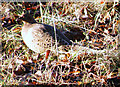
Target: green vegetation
<point>93,25</point>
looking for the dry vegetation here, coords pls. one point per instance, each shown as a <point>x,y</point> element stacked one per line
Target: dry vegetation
<point>93,25</point>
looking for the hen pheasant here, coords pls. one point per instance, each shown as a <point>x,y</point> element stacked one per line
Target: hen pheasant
<point>41,37</point>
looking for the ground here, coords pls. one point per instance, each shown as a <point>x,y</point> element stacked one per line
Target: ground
<point>95,26</point>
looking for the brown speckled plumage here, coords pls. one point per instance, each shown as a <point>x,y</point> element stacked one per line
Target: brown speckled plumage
<point>41,37</point>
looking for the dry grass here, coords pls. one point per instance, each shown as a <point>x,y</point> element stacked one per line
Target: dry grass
<point>95,62</point>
